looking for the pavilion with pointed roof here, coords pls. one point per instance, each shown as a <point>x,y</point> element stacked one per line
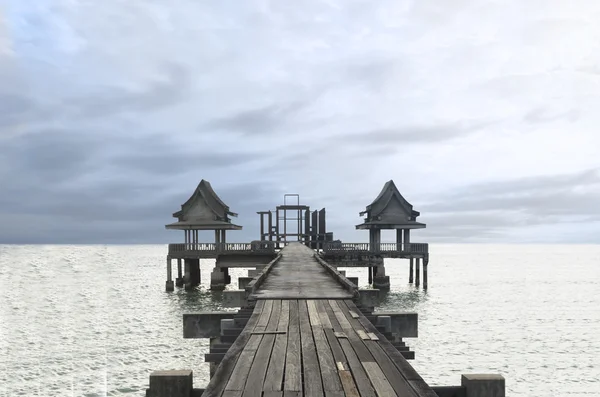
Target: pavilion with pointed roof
<point>204,210</point>
<point>390,211</point>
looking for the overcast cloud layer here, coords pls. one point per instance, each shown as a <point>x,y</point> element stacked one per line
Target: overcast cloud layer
<point>485,113</point>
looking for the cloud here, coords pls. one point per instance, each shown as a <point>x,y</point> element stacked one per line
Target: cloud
<point>483,113</point>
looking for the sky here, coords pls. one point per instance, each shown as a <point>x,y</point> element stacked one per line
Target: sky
<point>485,113</point>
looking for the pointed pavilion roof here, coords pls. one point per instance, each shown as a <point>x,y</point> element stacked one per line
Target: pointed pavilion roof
<point>379,215</point>
<point>204,210</point>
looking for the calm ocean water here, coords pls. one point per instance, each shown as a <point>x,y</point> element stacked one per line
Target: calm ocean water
<point>95,320</point>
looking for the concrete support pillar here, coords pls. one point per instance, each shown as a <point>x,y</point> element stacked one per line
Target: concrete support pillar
<point>227,276</point>
<point>179,279</point>
<point>223,236</point>
<point>410,273</point>
<point>170,285</point>
<point>418,272</point>
<point>370,276</point>
<point>399,240</point>
<point>380,280</point>
<point>406,239</point>
<point>483,385</point>
<point>425,263</point>
<point>191,277</point>
<point>217,279</point>
<point>170,383</point>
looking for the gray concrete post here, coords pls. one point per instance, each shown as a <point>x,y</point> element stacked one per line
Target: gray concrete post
<point>217,279</point>
<point>410,274</point>
<point>179,279</point>
<point>484,385</point>
<point>425,264</point>
<point>418,272</point>
<point>171,384</point>
<point>170,286</point>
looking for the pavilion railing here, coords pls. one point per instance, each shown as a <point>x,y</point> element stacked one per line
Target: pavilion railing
<point>416,248</point>
<point>256,246</point>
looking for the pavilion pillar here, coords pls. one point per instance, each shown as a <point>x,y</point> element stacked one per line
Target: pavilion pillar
<point>407,240</point>
<point>410,273</point>
<point>399,240</point>
<point>374,239</point>
<point>223,236</point>
<point>217,240</point>
<point>370,274</point>
<point>425,263</point>
<point>170,286</point>
<point>179,279</point>
<point>418,271</point>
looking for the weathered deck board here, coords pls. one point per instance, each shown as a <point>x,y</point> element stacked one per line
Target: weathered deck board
<point>313,384</point>
<point>274,379</point>
<point>293,363</point>
<point>298,275</point>
<point>227,367</point>
<point>258,370</point>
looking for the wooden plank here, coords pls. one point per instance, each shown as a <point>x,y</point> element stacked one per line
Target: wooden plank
<point>355,340</point>
<point>313,386</point>
<point>379,381</point>
<point>340,366</point>
<point>231,393</point>
<point>293,364</point>
<point>313,315</point>
<point>336,349</point>
<point>348,383</point>
<point>274,378</point>
<point>340,335</point>
<point>353,314</point>
<point>363,335</point>
<point>395,376</point>
<point>269,333</point>
<point>225,369</point>
<point>291,393</point>
<point>329,371</point>
<point>360,376</point>
<point>239,375</point>
<point>334,322</point>
<point>373,336</point>
<point>258,371</point>
<point>344,323</point>
<point>272,393</point>
<point>264,319</point>
<point>323,316</point>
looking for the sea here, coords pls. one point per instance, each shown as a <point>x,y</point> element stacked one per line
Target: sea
<point>95,320</point>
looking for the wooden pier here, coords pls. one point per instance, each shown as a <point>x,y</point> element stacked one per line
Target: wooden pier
<point>303,328</point>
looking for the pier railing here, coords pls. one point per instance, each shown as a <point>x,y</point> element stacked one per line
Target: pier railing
<point>256,246</point>
<point>271,246</point>
<point>413,248</point>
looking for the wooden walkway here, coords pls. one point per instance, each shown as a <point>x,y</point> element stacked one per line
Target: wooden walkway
<point>318,346</point>
<point>298,275</point>
<point>293,348</point>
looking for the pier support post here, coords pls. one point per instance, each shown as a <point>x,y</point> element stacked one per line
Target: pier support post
<point>170,383</point>
<point>191,276</point>
<point>217,279</point>
<point>227,276</point>
<point>425,263</point>
<point>418,271</point>
<point>411,272</point>
<point>179,279</point>
<point>370,271</point>
<point>170,286</point>
<point>483,385</point>
<point>381,281</point>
